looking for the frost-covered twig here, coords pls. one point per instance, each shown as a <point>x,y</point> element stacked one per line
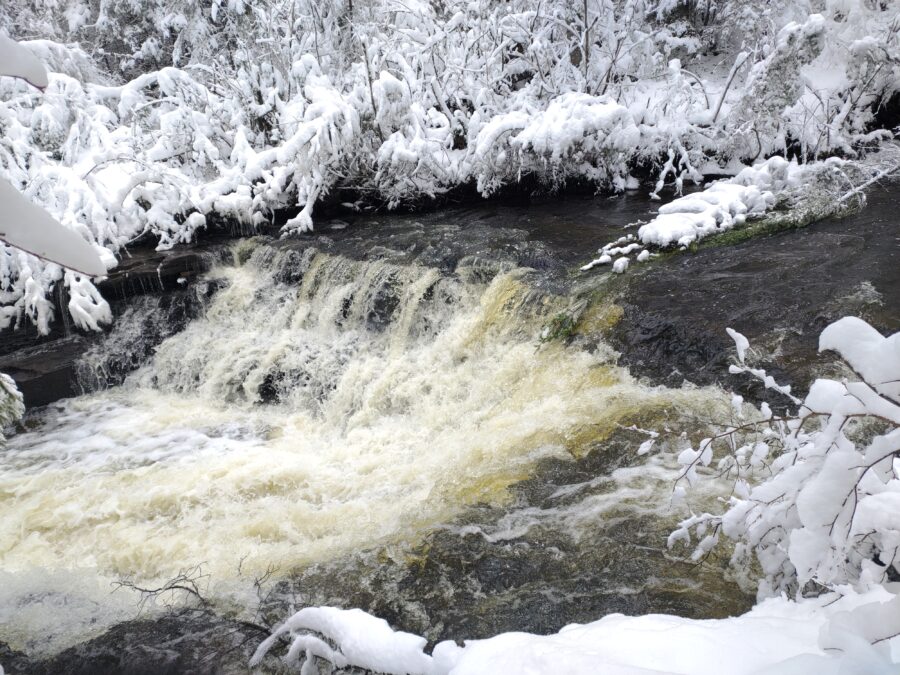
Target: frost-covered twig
<point>884,173</point>
<point>815,491</point>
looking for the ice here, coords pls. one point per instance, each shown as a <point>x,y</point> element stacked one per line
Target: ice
<point>740,342</point>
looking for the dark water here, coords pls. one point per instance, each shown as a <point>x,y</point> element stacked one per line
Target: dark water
<point>780,291</point>
<point>554,235</point>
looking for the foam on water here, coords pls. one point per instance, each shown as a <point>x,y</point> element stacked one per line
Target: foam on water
<point>296,422</point>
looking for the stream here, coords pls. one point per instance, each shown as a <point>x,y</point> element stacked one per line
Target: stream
<point>433,417</point>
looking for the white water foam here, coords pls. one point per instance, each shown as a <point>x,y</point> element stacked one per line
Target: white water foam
<point>378,426</point>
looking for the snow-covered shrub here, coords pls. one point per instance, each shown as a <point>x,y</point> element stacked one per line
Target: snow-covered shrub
<point>816,498</point>
<point>234,109</point>
<point>773,84</point>
<point>33,236</point>
<point>578,135</point>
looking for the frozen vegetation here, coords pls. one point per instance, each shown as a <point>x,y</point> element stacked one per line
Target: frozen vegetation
<point>11,407</point>
<point>803,192</point>
<point>161,116</point>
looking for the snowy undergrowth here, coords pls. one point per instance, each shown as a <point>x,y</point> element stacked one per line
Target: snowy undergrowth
<point>162,115</point>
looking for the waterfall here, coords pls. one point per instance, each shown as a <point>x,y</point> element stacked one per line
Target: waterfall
<point>316,406</point>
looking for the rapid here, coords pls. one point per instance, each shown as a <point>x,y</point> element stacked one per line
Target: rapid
<point>320,406</point>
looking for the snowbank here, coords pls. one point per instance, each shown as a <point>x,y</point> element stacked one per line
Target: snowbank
<point>815,505</point>
<point>778,637</point>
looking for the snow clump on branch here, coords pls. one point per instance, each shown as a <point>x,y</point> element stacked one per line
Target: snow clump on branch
<point>816,493</point>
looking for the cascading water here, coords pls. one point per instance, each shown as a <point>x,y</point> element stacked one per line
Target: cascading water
<point>320,406</point>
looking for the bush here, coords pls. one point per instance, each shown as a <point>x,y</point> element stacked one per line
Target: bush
<point>816,493</point>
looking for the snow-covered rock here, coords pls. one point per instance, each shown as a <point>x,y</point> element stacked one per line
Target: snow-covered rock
<point>11,406</point>
<point>719,207</point>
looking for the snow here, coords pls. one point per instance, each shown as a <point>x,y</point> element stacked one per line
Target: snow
<point>740,342</point>
<point>23,224</point>
<point>719,207</point>
<point>17,61</point>
<point>620,265</point>
<point>777,637</point>
<point>875,357</point>
<point>35,231</point>
<point>362,640</point>
<point>817,502</point>
<point>573,119</point>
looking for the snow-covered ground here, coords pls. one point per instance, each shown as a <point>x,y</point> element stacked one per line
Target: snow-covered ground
<point>830,635</point>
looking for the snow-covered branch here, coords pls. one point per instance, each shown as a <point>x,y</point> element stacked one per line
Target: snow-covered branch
<point>816,499</point>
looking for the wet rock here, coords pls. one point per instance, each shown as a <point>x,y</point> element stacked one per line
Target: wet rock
<point>152,295</point>
<point>384,303</point>
<point>195,643</point>
<point>143,323</point>
<point>148,271</point>
<point>45,372</point>
<point>14,661</point>
<point>270,389</point>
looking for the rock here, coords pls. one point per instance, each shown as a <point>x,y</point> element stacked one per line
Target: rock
<point>162,284</point>
<point>194,642</point>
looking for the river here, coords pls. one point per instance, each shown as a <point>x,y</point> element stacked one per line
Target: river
<point>433,417</point>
